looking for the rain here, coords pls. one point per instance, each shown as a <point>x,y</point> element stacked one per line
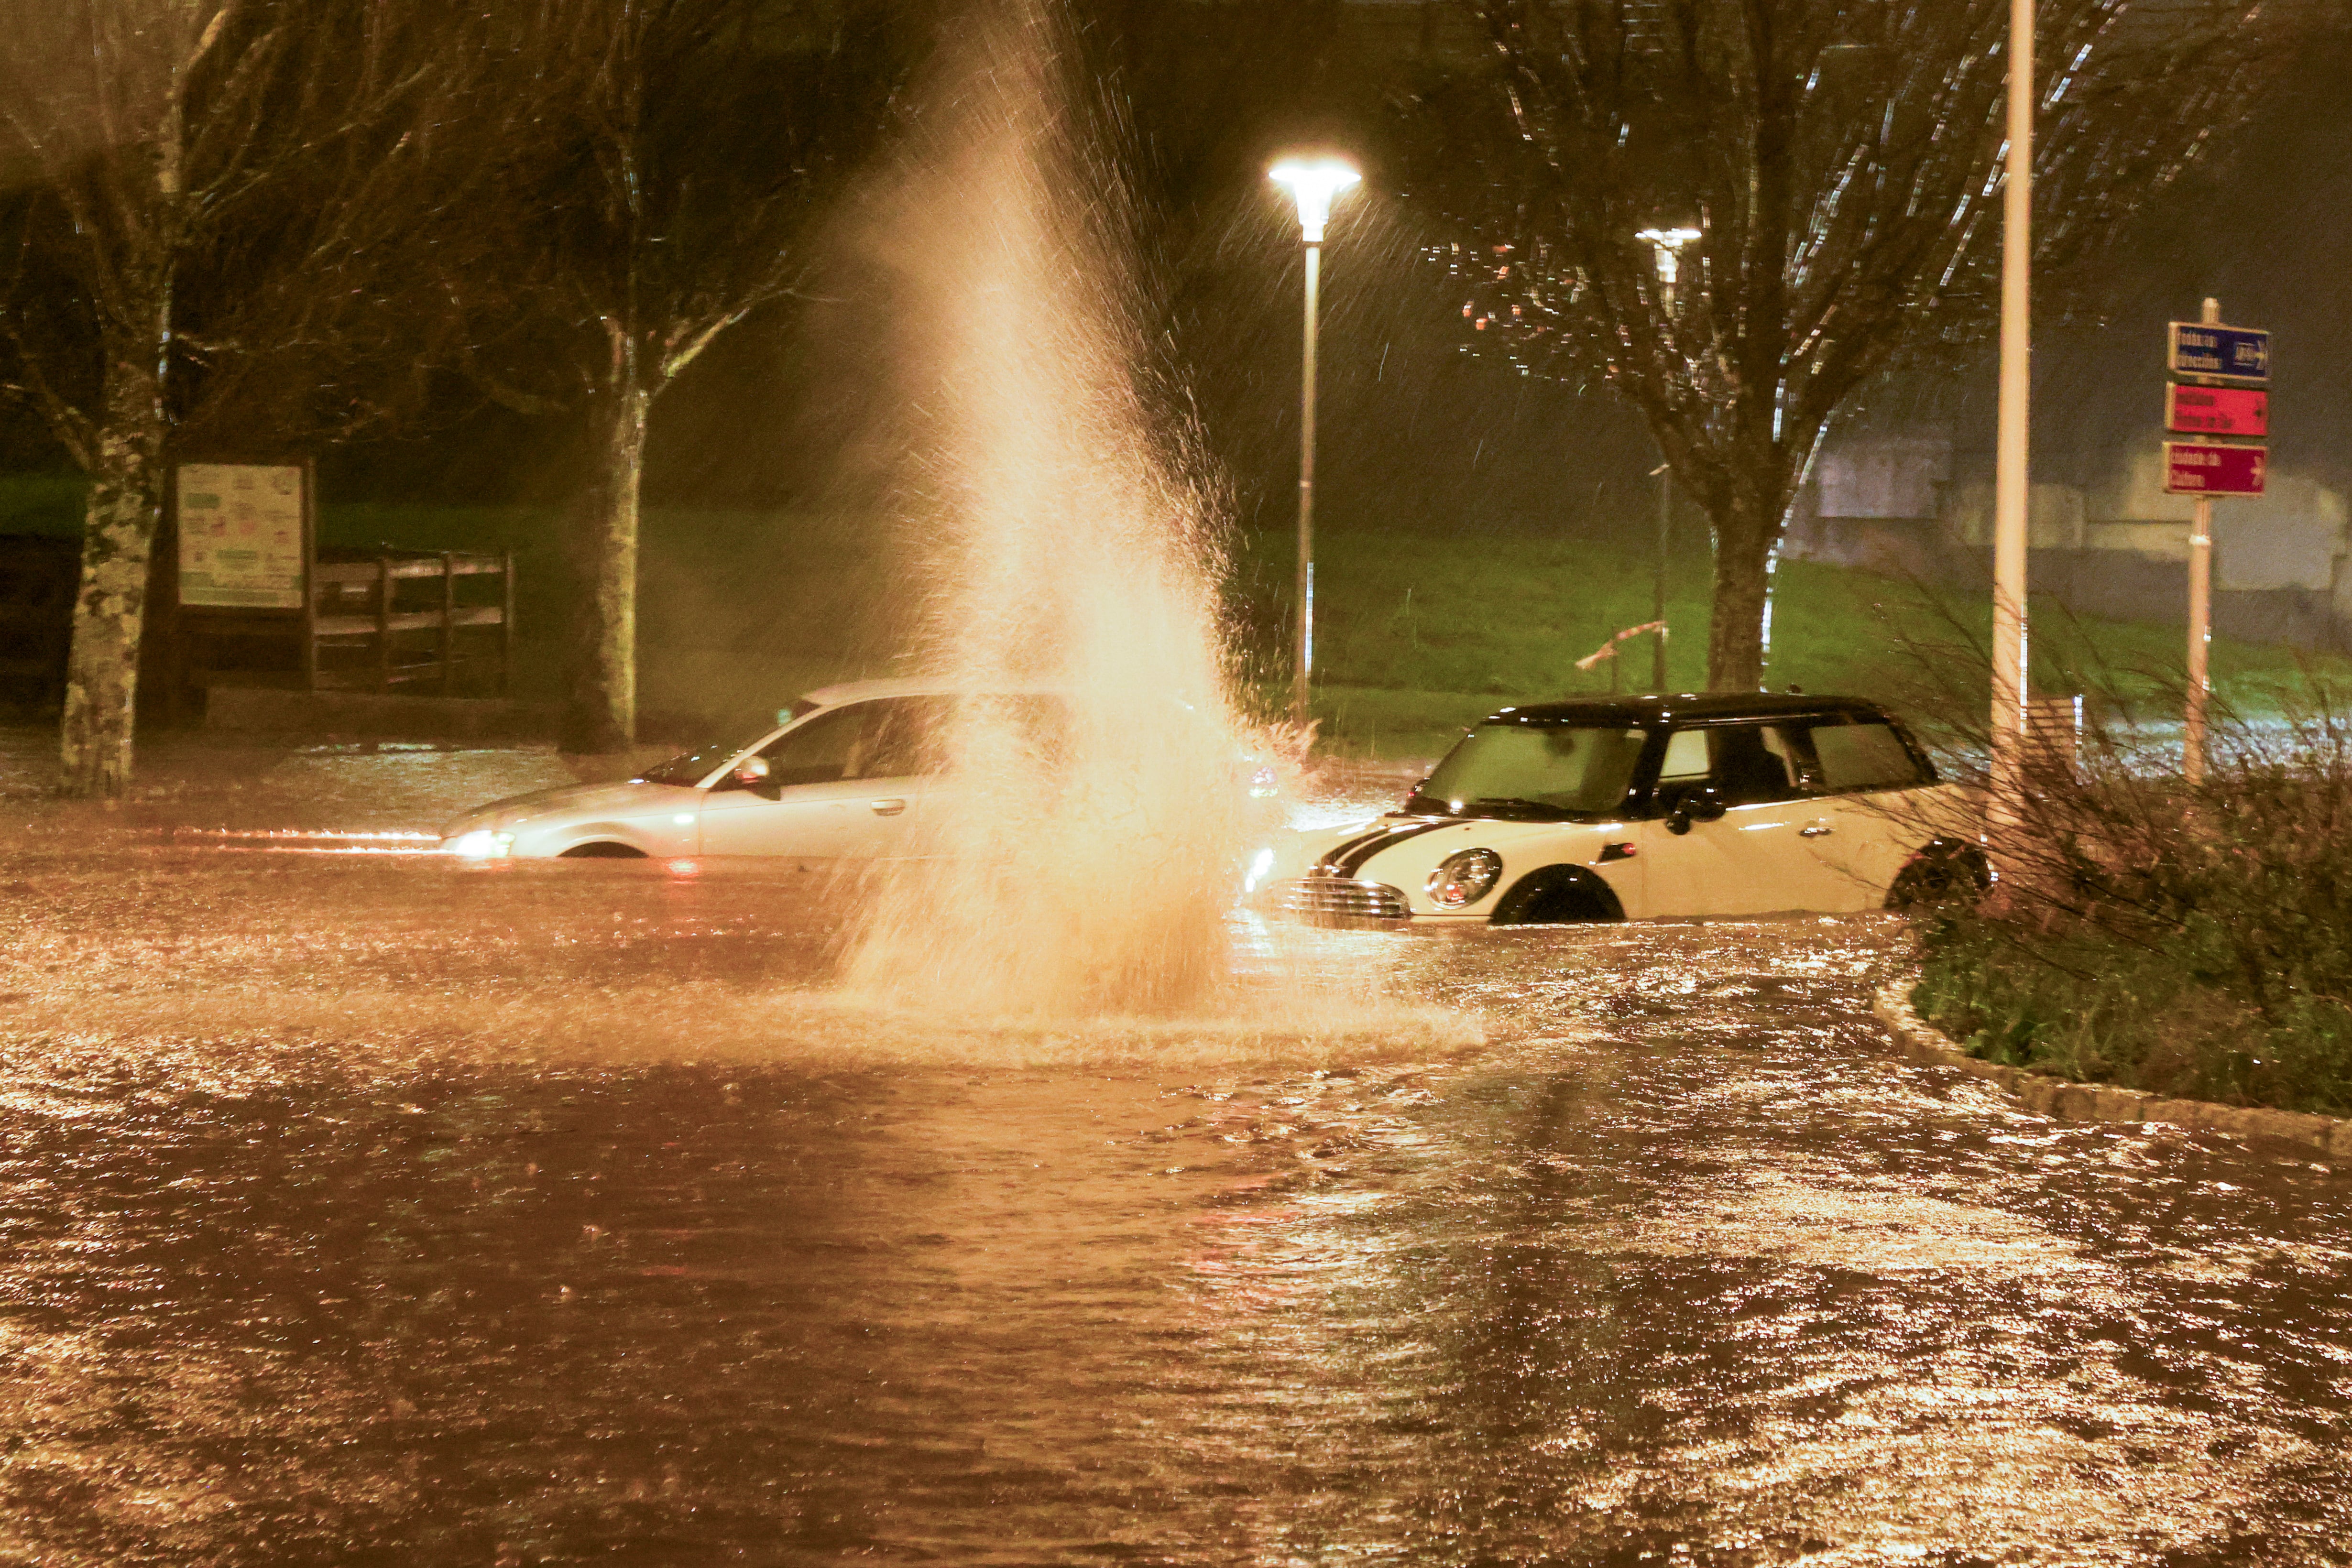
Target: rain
<point>1183,1140</point>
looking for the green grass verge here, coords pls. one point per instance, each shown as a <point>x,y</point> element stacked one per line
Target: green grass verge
<point>41,504</point>
<point>2169,1018</point>
<point>1418,634</point>
<point>2185,940</point>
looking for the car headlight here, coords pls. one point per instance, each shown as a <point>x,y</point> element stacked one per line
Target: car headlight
<point>1463,880</point>
<point>481,844</point>
<point>1260,864</point>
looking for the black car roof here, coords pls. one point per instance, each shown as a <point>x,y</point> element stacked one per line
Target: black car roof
<point>1651,708</point>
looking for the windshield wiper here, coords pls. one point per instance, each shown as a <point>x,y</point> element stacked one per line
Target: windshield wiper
<point>1423,804</point>
<point>1515,803</point>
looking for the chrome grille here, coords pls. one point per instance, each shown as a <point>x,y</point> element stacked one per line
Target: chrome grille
<point>1335,898</point>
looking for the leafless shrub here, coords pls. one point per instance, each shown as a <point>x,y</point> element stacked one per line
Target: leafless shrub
<point>2185,938</point>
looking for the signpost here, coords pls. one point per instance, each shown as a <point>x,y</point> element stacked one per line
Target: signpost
<point>2217,410</point>
<point>2238,355</point>
<point>246,537</point>
<point>2220,391</point>
<point>2200,468</point>
<point>243,544</point>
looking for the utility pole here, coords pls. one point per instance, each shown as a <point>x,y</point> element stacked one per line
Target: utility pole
<point>2011,494</point>
<point>1664,473</point>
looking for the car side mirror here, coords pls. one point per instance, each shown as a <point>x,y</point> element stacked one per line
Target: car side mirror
<point>753,774</point>
<point>1704,804</point>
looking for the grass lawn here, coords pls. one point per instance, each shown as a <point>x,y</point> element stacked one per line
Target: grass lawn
<point>1417,635</point>
<point>1420,636</point>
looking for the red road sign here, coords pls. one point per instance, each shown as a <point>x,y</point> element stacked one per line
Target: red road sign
<point>2194,469</point>
<point>2217,410</point>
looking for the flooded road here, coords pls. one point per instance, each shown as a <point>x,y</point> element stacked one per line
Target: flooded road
<point>366,1208</point>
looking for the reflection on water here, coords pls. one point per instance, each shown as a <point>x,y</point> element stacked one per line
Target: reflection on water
<point>586,962</point>
<point>191,780</point>
<point>389,1211</point>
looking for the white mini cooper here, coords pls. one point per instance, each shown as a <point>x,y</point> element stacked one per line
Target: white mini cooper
<point>1647,808</point>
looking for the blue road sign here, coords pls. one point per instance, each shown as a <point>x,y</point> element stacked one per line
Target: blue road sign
<point>2240,354</point>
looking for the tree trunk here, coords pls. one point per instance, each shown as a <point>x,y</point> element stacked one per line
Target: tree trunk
<point>601,705</point>
<point>118,522</point>
<point>1743,584</point>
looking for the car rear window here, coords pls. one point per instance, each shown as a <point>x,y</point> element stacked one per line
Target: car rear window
<point>1864,757</point>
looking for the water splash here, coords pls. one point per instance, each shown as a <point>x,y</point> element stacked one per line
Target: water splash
<point>1088,871</point>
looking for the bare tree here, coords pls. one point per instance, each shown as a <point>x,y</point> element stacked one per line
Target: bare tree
<point>207,185</point>
<point>668,160</point>
<point>1840,162</point>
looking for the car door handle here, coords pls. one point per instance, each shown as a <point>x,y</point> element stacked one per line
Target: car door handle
<point>889,808</point>
<point>1814,829</point>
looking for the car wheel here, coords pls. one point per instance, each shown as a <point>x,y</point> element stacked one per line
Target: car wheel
<point>1558,895</point>
<point>602,851</point>
<point>1946,870</point>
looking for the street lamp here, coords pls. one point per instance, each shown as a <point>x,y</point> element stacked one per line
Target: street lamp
<point>1668,245</point>
<point>1313,183</point>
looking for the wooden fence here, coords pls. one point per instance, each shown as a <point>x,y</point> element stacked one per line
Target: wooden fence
<point>423,624</point>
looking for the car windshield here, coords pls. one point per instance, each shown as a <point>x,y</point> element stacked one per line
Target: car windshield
<point>691,768</point>
<point>1551,771</point>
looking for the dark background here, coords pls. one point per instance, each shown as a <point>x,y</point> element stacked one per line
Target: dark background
<point>796,410</point>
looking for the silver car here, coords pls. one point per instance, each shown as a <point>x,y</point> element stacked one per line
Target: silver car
<point>845,775</point>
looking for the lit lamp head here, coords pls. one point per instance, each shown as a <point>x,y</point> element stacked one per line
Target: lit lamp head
<point>1668,244</point>
<point>1313,183</point>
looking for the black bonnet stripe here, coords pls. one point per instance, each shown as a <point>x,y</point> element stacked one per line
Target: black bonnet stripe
<point>1329,863</point>
<point>1349,858</point>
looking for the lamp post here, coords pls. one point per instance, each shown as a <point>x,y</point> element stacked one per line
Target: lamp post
<point>1668,245</point>
<point>1313,184</point>
<point>2010,471</point>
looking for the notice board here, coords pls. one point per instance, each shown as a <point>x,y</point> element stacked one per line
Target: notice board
<point>243,543</point>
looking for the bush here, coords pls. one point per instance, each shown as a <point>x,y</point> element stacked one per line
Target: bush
<point>2188,941</point>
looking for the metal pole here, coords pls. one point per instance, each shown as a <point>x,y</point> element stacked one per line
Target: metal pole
<point>2201,639</point>
<point>2201,622</point>
<point>1669,258</point>
<point>1304,666</point>
<point>2010,492</point>
<point>1658,592</point>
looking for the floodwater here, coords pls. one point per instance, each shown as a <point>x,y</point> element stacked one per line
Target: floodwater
<point>361,1207</point>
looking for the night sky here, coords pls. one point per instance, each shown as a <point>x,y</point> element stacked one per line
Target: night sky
<point>802,406</point>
